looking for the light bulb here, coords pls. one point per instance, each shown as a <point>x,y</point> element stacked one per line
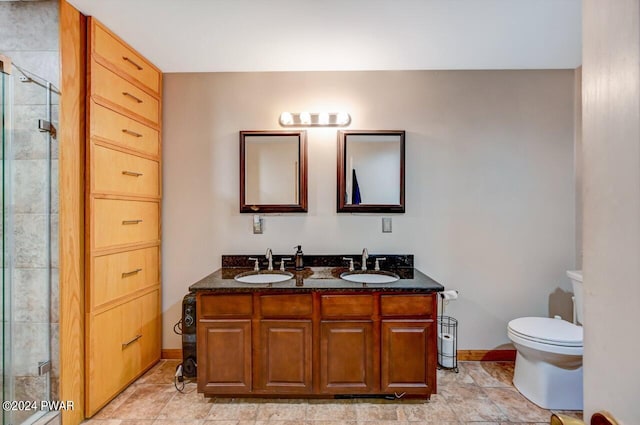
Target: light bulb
<point>286,118</point>
<point>342,118</point>
<point>305,118</point>
<point>323,118</point>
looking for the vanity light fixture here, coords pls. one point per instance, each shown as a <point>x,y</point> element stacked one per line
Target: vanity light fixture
<point>315,119</point>
<point>286,118</point>
<point>305,118</point>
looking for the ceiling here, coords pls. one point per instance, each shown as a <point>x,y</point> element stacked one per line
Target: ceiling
<point>307,35</point>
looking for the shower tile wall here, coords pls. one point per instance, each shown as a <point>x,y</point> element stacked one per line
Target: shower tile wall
<point>29,36</point>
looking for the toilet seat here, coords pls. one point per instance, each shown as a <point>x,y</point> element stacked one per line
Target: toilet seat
<point>547,331</point>
<point>546,334</point>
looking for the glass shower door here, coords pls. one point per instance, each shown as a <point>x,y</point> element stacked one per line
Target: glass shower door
<point>5,118</point>
<point>27,150</point>
<point>4,354</point>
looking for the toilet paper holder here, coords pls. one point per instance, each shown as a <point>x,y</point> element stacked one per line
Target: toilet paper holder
<point>447,335</point>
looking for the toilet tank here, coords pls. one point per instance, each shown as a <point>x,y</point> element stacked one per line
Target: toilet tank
<point>576,282</point>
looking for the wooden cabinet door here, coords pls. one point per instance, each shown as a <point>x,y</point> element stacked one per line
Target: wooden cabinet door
<point>104,364</point>
<point>131,339</point>
<point>407,363</point>
<point>224,356</point>
<point>284,356</point>
<point>150,326</point>
<point>346,357</point>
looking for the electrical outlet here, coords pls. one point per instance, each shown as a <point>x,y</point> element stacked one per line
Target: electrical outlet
<point>386,224</point>
<point>257,224</point>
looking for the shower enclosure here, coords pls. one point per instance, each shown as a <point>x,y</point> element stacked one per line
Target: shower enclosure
<point>28,112</point>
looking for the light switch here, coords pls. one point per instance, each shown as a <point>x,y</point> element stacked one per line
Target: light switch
<point>386,224</point>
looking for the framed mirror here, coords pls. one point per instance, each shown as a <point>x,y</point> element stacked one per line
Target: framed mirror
<point>273,171</point>
<point>371,171</point>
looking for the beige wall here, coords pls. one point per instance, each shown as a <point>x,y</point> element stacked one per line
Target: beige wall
<point>489,182</point>
<point>611,152</point>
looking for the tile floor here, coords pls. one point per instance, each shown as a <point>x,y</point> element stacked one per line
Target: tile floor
<point>480,394</point>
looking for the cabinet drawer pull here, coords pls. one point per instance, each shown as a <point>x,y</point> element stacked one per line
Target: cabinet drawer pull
<point>131,133</point>
<point>131,341</point>
<point>126,93</point>
<point>131,273</point>
<point>131,173</point>
<point>132,63</point>
<point>131,221</point>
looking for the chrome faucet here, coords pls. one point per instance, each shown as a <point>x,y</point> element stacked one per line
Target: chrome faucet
<point>377,266</point>
<point>256,264</point>
<point>365,255</point>
<point>350,260</point>
<point>269,256</point>
<point>282,265</point>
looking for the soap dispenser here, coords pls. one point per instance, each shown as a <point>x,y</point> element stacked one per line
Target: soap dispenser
<point>299,258</point>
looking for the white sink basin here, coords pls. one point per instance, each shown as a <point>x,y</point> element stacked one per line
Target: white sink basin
<point>370,277</point>
<point>263,277</point>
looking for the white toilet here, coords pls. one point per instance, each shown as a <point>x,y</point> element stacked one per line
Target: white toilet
<point>549,356</point>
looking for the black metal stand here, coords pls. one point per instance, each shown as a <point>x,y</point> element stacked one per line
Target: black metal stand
<point>447,341</point>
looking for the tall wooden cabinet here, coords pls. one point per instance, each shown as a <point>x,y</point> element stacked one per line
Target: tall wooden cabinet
<point>122,219</point>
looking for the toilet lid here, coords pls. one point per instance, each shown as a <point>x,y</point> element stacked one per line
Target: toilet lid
<point>547,330</point>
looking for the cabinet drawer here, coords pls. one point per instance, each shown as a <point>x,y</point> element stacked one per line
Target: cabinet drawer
<point>115,89</point>
<point>119,222</point>
<point>124,131</point>
<point>406,305</point>
<point>346,306</point>
<point>120,173</point>
<point>216,306</point>
<point>118,275</point>
<point>124,58</point>
<point>286,305</point>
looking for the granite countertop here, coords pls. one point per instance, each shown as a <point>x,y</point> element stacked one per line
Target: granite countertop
<point>316,278</point>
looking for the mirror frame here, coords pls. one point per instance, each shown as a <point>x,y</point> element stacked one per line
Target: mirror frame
<point>301,206</point>
<point>367,208</point>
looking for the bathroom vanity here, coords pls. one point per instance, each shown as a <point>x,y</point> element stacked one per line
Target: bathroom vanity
<point>315,334</point>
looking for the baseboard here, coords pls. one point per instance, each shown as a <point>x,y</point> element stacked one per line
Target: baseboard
<point>487,355</point>
<point>171,354</point>
<point>463,355</point>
